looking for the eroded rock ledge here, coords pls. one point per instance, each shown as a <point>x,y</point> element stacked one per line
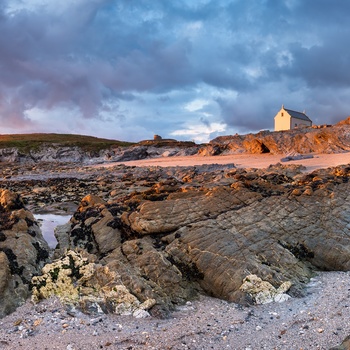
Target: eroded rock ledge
<point>167,234</point>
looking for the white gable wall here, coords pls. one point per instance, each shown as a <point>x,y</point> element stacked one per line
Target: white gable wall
<point>282,120</point>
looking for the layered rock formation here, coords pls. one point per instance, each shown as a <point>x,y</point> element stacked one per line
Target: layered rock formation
<point>186,231</point>
<point>163,235</point>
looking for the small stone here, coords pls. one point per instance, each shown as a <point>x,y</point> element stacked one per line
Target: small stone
<point>17,322</point>
<point>37,322</point>
<point>140,313</point>
<point>320,330</point>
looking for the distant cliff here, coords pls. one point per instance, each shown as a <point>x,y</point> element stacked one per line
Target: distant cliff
<point>322,139</point>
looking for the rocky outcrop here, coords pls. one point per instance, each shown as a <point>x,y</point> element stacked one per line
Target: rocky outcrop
<point>74,154</point>
<point>168,234</point>
<point>316,139</point>
<point>303,141</point>
<point>23,251</point>
<point>188,231</point>
<point>49,153</point>
<point>326,139</point>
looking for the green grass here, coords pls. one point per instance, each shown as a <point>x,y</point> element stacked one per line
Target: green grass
<point>28,142</point>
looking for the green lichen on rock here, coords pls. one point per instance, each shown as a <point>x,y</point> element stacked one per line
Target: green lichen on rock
<point>77,280</point>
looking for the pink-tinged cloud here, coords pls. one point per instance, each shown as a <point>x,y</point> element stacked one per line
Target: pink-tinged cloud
<point>138,63</point>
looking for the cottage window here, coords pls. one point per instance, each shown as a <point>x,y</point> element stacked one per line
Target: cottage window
<point>282,114</point>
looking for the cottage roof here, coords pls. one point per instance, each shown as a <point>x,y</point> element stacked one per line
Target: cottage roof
<point>298,115</point>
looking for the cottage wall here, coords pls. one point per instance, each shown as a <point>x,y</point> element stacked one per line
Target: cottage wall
<point>282,121</point>
<point>298,123</point>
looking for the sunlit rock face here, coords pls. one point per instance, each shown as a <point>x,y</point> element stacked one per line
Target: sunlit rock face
<point>194,231</point>
<point>323,139</point>
<point>165,235</point>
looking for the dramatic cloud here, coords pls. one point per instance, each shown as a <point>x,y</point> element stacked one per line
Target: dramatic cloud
<point>188,69</point>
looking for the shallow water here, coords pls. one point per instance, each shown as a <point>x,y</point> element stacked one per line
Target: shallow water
<point>48,222</point>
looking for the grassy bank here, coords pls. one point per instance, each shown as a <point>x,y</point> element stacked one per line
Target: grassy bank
<point>27,142</point>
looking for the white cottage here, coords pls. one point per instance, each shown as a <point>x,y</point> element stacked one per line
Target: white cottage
<point>287,119</point>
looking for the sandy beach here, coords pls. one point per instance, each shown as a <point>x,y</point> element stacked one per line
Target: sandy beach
<point>320,320</point>
<point>259,161</point>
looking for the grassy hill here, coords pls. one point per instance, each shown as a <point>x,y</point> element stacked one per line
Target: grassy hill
<point>26,142</point>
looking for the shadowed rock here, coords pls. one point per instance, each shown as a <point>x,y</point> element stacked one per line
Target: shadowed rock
<point>23,251</point>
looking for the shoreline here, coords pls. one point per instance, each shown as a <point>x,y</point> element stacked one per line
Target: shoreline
<point>259,161</point>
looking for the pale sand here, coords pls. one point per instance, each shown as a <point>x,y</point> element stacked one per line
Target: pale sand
<point>318,161</point>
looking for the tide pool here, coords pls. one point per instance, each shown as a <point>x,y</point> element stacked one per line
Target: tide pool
<point>48,223</point>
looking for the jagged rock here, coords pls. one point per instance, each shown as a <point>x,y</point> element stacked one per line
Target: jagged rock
<point>23,251</point>
<point>172,240</point>
<point>88,201</point>
<point>302,141</point>
<point>344,122</point>
<point>171,233</point>
<point>10,200</point>
<point>210,150</point>
<point>255,146</point>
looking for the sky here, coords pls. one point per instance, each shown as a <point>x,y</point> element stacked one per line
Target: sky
<point>183,69</point>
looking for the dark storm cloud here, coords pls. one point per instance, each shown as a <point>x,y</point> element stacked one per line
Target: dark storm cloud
<point>105,58</point>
